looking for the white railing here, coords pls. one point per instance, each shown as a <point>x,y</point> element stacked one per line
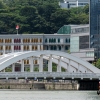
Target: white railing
<point>49,75</point>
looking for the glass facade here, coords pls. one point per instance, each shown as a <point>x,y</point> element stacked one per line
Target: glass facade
<point>66,29</point>
<point>83,42</point>
<point>95,26</point>
<point>74,44</point>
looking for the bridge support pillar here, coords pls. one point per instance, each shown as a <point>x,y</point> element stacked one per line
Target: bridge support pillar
<point>59,65</point>
<point>13,67</point>
<point>31,64</point>
<point>22,66</point>
<point>88,84</point>
<point>50,64</point>
<point>41,63</point>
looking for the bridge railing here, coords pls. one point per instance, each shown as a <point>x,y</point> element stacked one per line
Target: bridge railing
<point>49,75</point>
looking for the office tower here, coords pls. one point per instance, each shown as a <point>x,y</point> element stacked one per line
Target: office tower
<point>95,26</point>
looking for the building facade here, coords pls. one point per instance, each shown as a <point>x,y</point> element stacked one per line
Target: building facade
<point>73,3</point>
<point>95,26</point>
<point>73,39</point>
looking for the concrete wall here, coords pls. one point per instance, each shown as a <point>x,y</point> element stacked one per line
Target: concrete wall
<point>39,86</point>
<point>61,86</point>
<point>15,86</point>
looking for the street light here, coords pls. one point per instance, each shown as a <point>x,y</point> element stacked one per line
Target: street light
<point>95,59</point>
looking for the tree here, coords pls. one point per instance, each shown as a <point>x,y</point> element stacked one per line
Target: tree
<point>38,16</point>
<point>98,63</point>
<point>86,9</point>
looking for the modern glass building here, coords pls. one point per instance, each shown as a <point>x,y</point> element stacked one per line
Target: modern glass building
<point>95,26</point>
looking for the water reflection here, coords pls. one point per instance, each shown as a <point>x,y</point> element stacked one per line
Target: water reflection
<point>49,95</point>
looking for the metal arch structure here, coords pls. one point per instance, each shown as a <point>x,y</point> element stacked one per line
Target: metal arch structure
<point>69,62</point>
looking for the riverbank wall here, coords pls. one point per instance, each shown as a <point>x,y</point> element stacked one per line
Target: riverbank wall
<point>39,86</point>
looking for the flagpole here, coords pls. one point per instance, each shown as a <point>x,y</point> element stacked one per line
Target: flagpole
<point>17,27</point>
<point>17,31</point>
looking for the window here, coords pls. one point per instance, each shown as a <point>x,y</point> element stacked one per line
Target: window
<point>58,40</point>
<point>66,47</point>
<point>90,54</point>
<point>45,40</point>
<point>66,40</point>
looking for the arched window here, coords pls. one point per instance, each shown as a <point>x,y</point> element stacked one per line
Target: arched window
<point>45,40</point>
<point>27,47</point>
<point>14,40</point>
<point>40,40</point>
<point>66,40</point>
<point>66,47</point>
<point>49,40</point>
<point>69,40</point>
<point>47,47</point>
<point>19,40</point>
<point>2,40</point>
<point>52,41</point>
<point>59,47</point>
<point>32,47</point>
<point>27,61</point>
<point>55,48</point>
<point>17,48</point>
<point>51,47</point>
<point>58,40</point>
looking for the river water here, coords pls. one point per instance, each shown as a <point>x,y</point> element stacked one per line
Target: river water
<point>49,95</point>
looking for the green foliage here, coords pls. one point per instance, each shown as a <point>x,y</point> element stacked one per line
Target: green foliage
<point>8,69</point>
<point>8,87</point>
<point>36,69</point>
<point>38,16</point>
<point>63,70</point>
<point>98,63</point>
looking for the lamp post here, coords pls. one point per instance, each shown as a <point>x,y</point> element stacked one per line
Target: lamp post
<point>95,59</point>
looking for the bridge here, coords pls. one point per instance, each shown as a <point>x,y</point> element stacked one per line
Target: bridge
<point>70,63</point>
<point>75,68</point>
<point>50,75</point>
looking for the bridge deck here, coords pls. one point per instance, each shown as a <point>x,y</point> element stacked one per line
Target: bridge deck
<point>50,75</point>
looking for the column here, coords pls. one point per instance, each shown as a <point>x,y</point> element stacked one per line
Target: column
<point>62,48</point>
<point>13,67</point>
<point>59,65</point>
<point>41,63</point>
<point>4,46</point>
<point>38,47</point>
<point>50,64</point>
<point>30,47</point>
<point>12,45</point>
<point>21,44</point>
<point>22,66</point>
<point>77,3</point>
<point>78,68</point>
<point>31,64</point>
<point>68,67</point>
<point>57,48</point>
